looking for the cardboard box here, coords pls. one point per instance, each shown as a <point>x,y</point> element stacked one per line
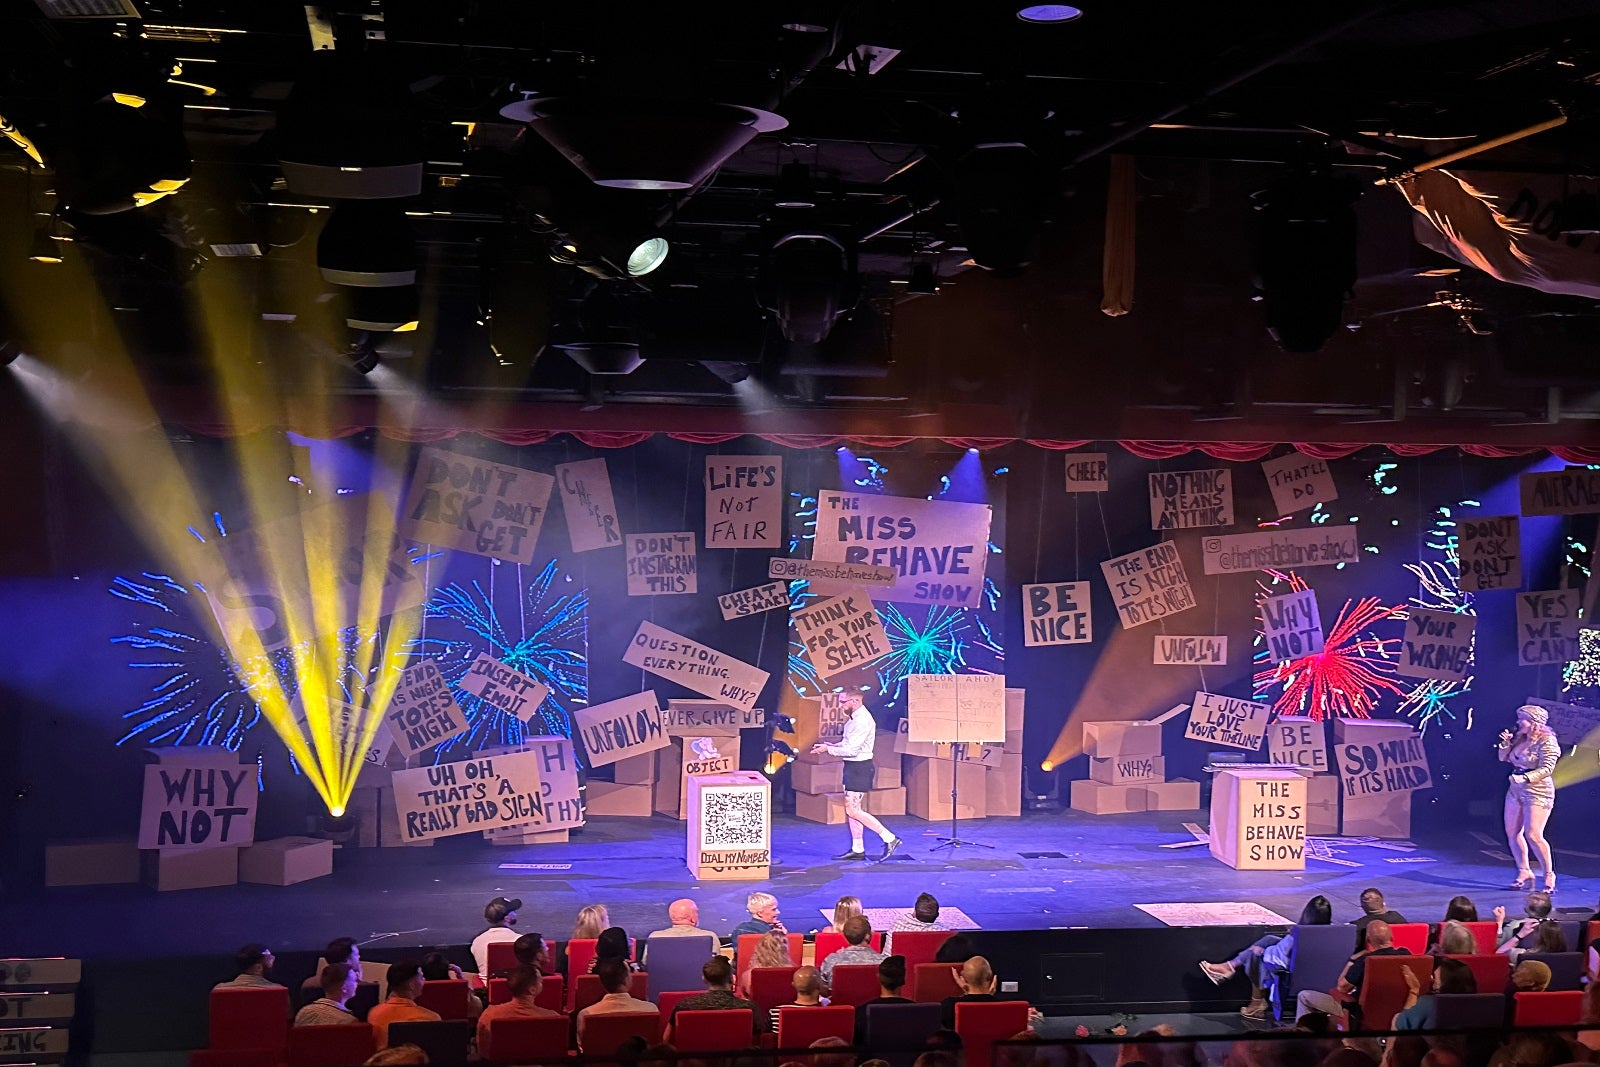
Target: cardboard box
<point>608,798</point>
<point>825,808</point>
<point>1384,815</point>
<point>1126,770</point>
<point>1105,740</point>
<point>286,860</point>
<point>817,777</point>
<point>886,801</point>
<point>1258,819</point>
<point>1013,742</point>
<point>730,827</point>
<point>635,770</point>
<point>99,861</point>
<point>1322,805</point>
<point>1016,703</point>
<point>363,808</point>
<point>1098,798</point>
<point>1180,794</point>
<point>547,837</point>
<point>198,868</point>
<point>928,783</point>
<point>885,761</point>
<point>674,763</point>
<point>1003,785</point>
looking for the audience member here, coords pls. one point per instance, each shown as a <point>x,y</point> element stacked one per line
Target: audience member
<point>1519,933</point>
<point>807,984</point>
<point>339,950</point>
<point>1449,976</point>
<point>1441,1056</point>
<point>891,980</point>
<point>612,944</point>
<point>1461,909</point>
<point>591,921</point>
<point>1532,1050</point>
<point>977,981</point>
<point>939,1056</point>
<point>1373,909</point>
<point>1404,1052</point>
<point>924,915</point>
<point>614,975</point>
<point>1267,955</point>
<point>684,915</point>
<point>842,1058</point>
<point>843,909</point>
<point>857,951</point>
<point>339,981</point>
<point>1549,937</point>
<point>405,982</point>
<point>718,976</point>
<point>1530,976</point>
<point>501,915</point>
<point>253,963</point>
<point>435,968</point>
<point>957,948</point>
<point>763,909</point>
<point>524,986</point>
<point>1590,1039</point>
<point>1342,1000</point>
<point>530,950</point>
<point>399,1056</point>
<point>1455,939</point>
<point>771,951</point>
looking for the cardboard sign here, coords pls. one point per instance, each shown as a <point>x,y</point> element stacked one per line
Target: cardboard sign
<point>1300,741</point>
<point>706,755</point>
<point>988,753</point>
<point>1547,627</point>
<point>831,718</point>
<point>753,601</point>
<point>1228,721</point>
<point>956,707</point>
<point>1148,584</point>
<point>937,548</point>
<point>423,710</point>
<point>661,563</point>
<point>348,723</point>
<point>1490,551</point>
<point>1292,625</point>
<point>1571,723</point>
<point>840,633</point>
<point>1087,473</point>
<point>558,787</point>
<point>588,505</point>
<point>503,687</point>
<point>621,728</point>
<point>744,501</point>
<point>826,576</point>
<point>1437,644</point>
<point>1394,764</point>
<point>1298,482</point>
<point>709,718</point>
<point>198,804</point>
<point>695,666</point>
<point>468,796</point>
<point>1177,650</point>
<point>257,579</point>
<point>1570,491</point>
<point>475,505</point>
<point>1057,613</point>
<point>1317,546</point>
<point>1187,500</point>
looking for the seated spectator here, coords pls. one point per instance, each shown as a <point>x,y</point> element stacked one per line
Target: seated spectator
<point>614,977</point>
<point>684,915</point>
<point>1519,933</point>
<point>1549,937</point>
<point>399,1056</point>
<point>771,951</point>
<point>1590,1039</point>
<point>843,909</point>
<point>339,950</point>
<point>763,909</point>
<point>405,982</point>
<point>957,948</point>
<point>1373,909</point>
<point>924,915</point>
<point>807,993</point>
<point>1404,1052</point>
<point>1532,1050</point>
<point>1455,939</point>
<point>435,968</point>
<point>843,1057</point>
<point>1440,1056</point>
<point>977,981</point>
<point>531,951</point>
<point>1343,999</point>
<point>524,986</point>
<point>1267,955</point>
<point>718,976</point>
<point>1461,910</point>
<point>1530,976</point>
<point>857,951</point>
<point>339,981</point>
<point>253,963</point>
<point>592,921</point>
<point>501,915</point>
<point>612,944</point>
<point>891,980</point>
<point>1449,976</point>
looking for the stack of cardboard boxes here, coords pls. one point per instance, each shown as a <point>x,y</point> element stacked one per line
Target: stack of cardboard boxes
<point>819,783</point>
<point>1128,773</point>
<point>1303,742</point>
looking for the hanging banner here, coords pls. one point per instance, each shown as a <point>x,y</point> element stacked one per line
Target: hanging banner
<point>1173,650</point>
<point>1317,546</point>
<point>1547,627</point>
<point>938,548</point>
<point>840,633</point>
<point>1490,551</point>
<point>661,564</point>
<point>195,802</point>
<point>695,666</point>
<point>1148,584</point>
<point>475,505</point>
<point>753,601</point>
<point>831,718</point>
<point>1298,482</point>
<point>1229,721</point>
<point>1570,491</point>
<point>423,710</point>
<point>588,505</point>
<point>503,687</point>
<point>1186,500</point>
<point>1292,625</point>
<point>744,501</point>
<point>959,708</point>
<point>469,795</point>
<point>1437,644</point>
<point>1087,473</point>
<point>1057,613</point>
<point>621,728</point>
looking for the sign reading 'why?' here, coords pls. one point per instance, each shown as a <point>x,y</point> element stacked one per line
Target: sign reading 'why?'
<point>1148,584</point>
<point>476,506</point>
<point>695,666</point>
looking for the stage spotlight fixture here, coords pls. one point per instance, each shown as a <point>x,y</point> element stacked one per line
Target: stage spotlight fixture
<point>808,281</point>
<point>794,190</point>
<point>389,310</point>
<point>1048,14</point>
<point>732,373</point>
<point>115,155</point>
<point>600,330</point>
<point>367,244</point>
<point>646,256</point>
<point>9,351</point>
<point>362,352</point>
<point>348,130</point>
<point>1000,193</point>
<point>42,249</point>
<point>1306,256</point>
<point>1047,766</point>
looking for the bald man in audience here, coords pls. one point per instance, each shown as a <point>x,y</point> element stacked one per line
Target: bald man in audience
<point>684,915</point>
<point>807,982</point>
<point>977,981</point>
<point>1345,996</point>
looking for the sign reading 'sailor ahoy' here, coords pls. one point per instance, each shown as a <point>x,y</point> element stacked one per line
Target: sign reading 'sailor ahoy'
<point>937,548</point>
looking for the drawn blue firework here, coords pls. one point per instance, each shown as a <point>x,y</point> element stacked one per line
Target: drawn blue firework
<point>1435,700</point>
<point>549,643</point>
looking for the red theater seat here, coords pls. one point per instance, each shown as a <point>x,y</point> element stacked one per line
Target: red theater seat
<point>518,1040</point>
<point>982,1024</point>
<point>603,1034</point>
<point>747,945</point>
<point>249,1018</point>
<point>234,1057</point>
<point>330,1046</point>
<point>552,992</point>
<point>1547,1009</point>
<point>771,986</point>
<point>669,1000</point>
<point>853,985</point>
<point>831,941</point>
<point>588,989</point>
<point>1412,937</point>
<point>724,1030</point>
<point>447,996</point>
<point>1383,990</point>
<point>1491,971</point>
<point>1486,936</point>
<point>917,946</point>
<point>798,1027</point>
<point>935,981</point>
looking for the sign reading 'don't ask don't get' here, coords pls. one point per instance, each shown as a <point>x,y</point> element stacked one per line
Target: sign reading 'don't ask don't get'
<point>475,505</point>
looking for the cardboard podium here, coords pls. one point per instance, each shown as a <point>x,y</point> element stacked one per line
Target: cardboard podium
<point>1258,818</point>
<point>730,826</point>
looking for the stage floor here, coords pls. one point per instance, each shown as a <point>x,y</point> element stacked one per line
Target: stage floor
<point>1059,869</point>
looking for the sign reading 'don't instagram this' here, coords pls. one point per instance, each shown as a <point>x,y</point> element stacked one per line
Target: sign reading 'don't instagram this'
<point>475,505</point>
<point>937,548</point>
<point>662,563</point>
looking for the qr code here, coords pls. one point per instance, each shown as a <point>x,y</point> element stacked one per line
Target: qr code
<point>733,818</point>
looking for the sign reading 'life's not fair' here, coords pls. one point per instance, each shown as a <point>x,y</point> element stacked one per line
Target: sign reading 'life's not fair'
<point>744,501</point>
<point>937,548</point>
<point>1148,584</point>
<point>475,505</point>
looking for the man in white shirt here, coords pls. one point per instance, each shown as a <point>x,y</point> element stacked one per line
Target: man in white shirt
<point>501,915</point>
<point>855,748</point>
